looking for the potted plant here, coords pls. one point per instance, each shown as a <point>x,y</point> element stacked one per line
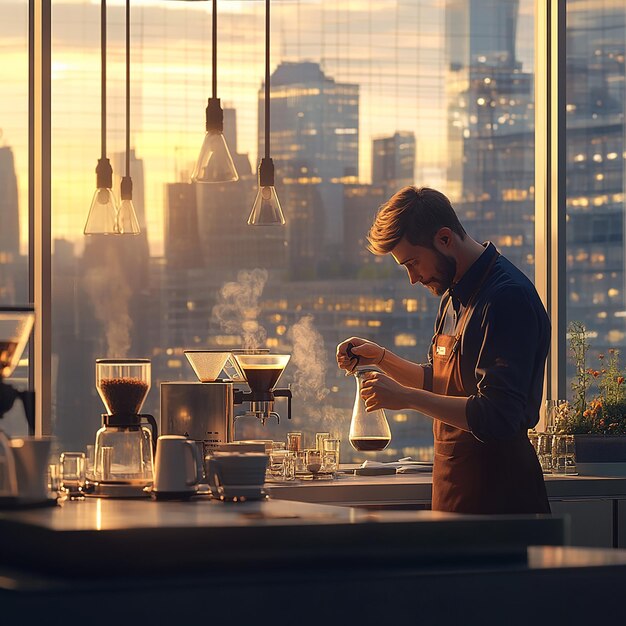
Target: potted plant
<point>596,415</point>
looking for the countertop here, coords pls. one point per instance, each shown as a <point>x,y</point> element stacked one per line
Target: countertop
<point>416,488</point>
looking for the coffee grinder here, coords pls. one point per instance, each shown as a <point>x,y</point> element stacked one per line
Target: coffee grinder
<point>124,450</point>
<point>205,410</point>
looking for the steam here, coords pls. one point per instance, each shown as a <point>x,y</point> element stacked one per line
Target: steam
<point>238,308</point>
<point>110,293</point>
<point>309,358</point>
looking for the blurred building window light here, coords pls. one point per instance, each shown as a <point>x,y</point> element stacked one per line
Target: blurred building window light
<point>611,156</point>
<point>601,315</point>
<point>613,293</point>
<point>405,340</point>
<point>410,304</point>
<point>271,342</point>
<point>374,323</point>
<point>615,336</point>
<point>174,363</point>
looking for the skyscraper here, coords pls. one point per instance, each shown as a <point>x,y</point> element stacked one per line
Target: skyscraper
<point>393,161</point>
<point>491,127</point>
<point>596,151</point>
<point>314,123</point>
<point>315,148</point>
<point>10,229</point>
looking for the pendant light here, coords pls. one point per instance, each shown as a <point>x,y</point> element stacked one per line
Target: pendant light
<point>127,223</point>
<point>214,165</point>
<point>102,218</point>
<point>266,210</point>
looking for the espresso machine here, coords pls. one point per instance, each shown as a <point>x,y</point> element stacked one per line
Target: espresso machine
<point>205,410</point>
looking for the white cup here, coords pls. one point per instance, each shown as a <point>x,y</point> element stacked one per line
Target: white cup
<point>31,466</point>
<point>176,466</point>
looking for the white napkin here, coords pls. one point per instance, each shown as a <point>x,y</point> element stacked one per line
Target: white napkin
<point>405,465</point>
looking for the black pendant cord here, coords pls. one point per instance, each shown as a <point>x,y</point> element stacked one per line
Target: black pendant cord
<point>214,49</point>
<point>103,74</point>
<point>267,79</point>
<point>128,88</point>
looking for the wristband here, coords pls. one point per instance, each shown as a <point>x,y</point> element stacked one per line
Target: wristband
<point>382,357</point>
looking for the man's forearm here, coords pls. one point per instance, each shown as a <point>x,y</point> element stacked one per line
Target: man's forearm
<point>405,372</point>
<point>448,409</point>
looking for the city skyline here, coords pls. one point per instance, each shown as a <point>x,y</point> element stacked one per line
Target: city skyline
<point>391,48</point>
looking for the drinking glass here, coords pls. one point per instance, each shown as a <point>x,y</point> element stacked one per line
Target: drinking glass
<point>277,459</point>
<point>556,410</point>
<point>544,452</point>
<point>54,478</point>
<point>330,459</point>
<point>294,441</point>
<point>300,462</point>
<point>73,473</point>
<point>313,461</point>
<point>319,440</point>
<point>289,465</point>
<point>564,455</point>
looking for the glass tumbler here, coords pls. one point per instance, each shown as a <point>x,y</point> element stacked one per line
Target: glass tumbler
<point>330,460</point>
<point>313,461</point>
<point>544,452</point>
<point>289,465</point>
<point>564,455</point>
<point>73,473</point>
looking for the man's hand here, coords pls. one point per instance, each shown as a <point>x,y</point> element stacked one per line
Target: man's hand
<point>379,391</point>
<point>369,353</point>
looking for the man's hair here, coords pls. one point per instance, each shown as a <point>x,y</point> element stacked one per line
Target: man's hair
<point>416,213</point>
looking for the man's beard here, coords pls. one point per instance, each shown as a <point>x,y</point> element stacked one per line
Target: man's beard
<point>445,266</point>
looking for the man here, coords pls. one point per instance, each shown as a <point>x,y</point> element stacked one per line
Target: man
<point>483,381</point>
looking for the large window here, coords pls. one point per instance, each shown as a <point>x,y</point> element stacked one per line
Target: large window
<point>596,153</point>
<point>366,98</point>
<point>14,177</point>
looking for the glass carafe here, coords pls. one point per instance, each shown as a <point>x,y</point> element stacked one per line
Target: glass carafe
<point>124,454</point>
<point>369,432</point>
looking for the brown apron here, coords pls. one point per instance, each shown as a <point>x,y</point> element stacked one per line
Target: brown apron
<point>470,476</point>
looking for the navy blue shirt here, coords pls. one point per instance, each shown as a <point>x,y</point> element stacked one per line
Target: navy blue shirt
<point>503,347</point>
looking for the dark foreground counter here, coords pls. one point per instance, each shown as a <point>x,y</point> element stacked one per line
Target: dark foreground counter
<point>137,562</point>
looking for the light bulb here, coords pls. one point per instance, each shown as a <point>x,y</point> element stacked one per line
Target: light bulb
<point>266,210</point>
<point>102,218</point>
<point>214,165</point>
<point>127,223</point>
